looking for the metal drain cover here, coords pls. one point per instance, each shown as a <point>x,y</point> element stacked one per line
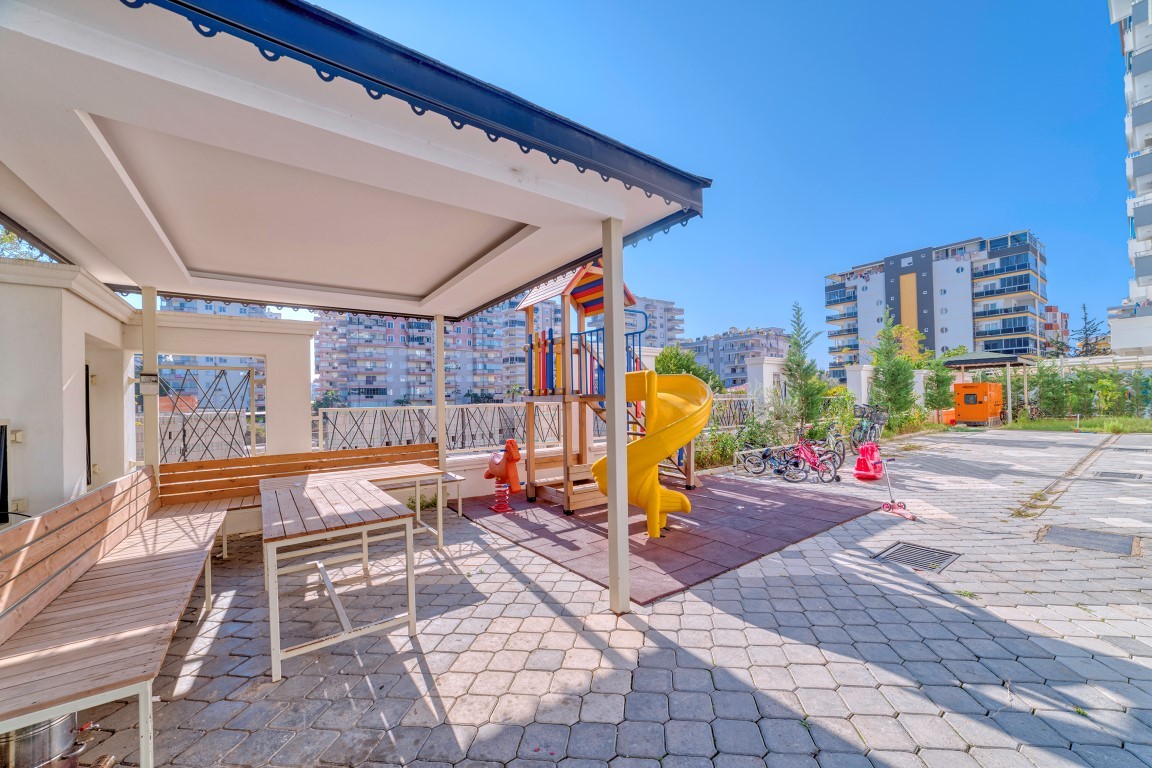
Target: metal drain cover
<point>918,557</point>
<point>1121,475</point>
<point>1080,538</point>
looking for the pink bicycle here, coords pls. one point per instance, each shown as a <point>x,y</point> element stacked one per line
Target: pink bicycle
<point>822,463</point>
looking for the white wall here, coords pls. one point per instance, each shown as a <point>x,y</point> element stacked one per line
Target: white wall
<point>868,293</point>
<point>952,310</point>
<point>285,347</point>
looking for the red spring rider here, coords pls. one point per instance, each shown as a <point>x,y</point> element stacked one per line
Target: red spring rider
<point>869,465</point>
<point>502,469</point>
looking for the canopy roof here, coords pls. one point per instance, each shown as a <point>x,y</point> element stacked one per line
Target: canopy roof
<point>986,360</point>
<point>252,155</point>
<point>584,284</point>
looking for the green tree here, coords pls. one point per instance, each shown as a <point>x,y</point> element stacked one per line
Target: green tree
<point>329,399</point>
<point>676,359</point>
<point>954,352</point>
<point>938,386</point>
<point>1082,391</point>
<point>1087,339</point>
<point>893,378</point>
<point>1140,387</point>
<point>801,374</point>
<point>1051,390</point>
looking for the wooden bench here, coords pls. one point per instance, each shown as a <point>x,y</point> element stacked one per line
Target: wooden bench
<point>236,481</point>
<point>91,593</point>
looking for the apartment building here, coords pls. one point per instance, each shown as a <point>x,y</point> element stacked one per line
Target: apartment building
<point>726,352</point>
<point>1131,322</point>
<point>213,379</point>
<point>987,294</point>
<point>377,361</point>
<point>1056,330</point>
<point>665,322</point>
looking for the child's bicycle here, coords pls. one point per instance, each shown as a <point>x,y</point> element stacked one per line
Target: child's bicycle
<point>871,424</point>
<point>823,463</point>
<point>780,460</point>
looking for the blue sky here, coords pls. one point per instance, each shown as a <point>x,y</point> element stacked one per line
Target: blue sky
<point>835,132</point>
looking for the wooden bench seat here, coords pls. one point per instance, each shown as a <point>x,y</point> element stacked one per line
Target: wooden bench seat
<point>91,594</point>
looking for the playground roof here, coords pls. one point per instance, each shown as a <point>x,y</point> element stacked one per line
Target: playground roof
<point>584,284</point>
<point>270,151</point>
<point>986,360</point>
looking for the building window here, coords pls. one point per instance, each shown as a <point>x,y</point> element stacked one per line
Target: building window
<point>959,270</point>
<point>944,311</point>
<point>943,291</point>
<point>944,329</point>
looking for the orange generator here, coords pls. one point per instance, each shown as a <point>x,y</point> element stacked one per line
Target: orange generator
<point>978,403</point>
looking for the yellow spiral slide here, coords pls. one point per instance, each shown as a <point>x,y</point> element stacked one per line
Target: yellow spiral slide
<point>676,409</point>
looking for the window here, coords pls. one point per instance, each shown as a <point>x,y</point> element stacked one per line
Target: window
<point>959,270</point>
<point>943,291</point>
<point>879,302</point>
<point>906,261</point>
<point>944,310</point>
<point>863,287</point>
<point>944,329</point>
<point>970,399</point>
<point>945,348</point>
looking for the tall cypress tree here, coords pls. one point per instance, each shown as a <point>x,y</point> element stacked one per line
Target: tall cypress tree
<point>801,374</point>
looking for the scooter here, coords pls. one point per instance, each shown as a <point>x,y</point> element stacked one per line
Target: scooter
<point>896,507</point>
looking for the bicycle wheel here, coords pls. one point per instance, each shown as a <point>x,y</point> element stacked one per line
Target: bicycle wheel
<point>831,458</point>
<point>826,472</point>
<point>838,449</point>
<point>797,472</point>
<point>856,438</point>
<point>754,463</point>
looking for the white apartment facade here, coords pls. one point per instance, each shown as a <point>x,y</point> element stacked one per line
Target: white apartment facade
<point>985,294</point>
<point>1131,322</point>
<point>727,353</point>
<point>665,322</point>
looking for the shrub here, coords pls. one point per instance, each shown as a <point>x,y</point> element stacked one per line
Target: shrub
<point>715,449</point>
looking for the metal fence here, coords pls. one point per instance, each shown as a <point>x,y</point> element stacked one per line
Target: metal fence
<point>468,427</point>
<point>473,427</point>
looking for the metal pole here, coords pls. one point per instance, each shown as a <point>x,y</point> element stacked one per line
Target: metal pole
<point>1008,382</point>
<point>617,415</point>
<point>149,368</point>
<point>438,393</point>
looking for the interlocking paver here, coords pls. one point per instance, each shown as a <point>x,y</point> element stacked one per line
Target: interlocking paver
<point>640,739</point>
<point>738,737</point>
<point>689,737</point>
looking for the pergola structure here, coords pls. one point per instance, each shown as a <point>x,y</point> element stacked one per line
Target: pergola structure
<point>270,151</point>
<point>994,360</point>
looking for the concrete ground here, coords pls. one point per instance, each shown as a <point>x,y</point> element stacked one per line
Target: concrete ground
<point>1020,653</point>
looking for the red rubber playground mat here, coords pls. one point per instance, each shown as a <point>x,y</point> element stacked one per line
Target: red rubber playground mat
<point>732,522</point>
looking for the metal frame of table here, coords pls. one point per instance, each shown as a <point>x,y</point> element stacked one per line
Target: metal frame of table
<point>360,535</point>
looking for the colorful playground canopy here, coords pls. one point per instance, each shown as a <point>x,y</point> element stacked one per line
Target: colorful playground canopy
<point>271,151</point>
<point>584,284</point>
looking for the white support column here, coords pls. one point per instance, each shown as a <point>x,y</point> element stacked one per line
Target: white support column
<point>617,416</point>
<point>438,392</point>
<point>1008,397</point>
<point>150,365</point>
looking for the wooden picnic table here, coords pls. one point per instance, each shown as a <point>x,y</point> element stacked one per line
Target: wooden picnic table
<point>389,476</point>
<point>307,515</point>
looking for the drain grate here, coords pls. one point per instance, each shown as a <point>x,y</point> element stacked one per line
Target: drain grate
<point>1080,538</point>
<point>1133,450</point>
<point>918,557</point>
<point>1120,475</point>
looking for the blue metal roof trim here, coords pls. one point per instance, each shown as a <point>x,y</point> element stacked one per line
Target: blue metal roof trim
<point>335,47</point>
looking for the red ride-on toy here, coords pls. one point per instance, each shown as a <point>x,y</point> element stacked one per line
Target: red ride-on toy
<point>870,466</point>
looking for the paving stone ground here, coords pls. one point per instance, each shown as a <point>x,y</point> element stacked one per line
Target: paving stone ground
<point>1018,654</point>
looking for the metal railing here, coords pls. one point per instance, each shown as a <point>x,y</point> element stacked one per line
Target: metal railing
<point>1004,311</point>
<point>467,427</point>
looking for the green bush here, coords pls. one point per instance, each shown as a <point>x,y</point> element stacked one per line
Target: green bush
<point>715,449</point>
<point>426,502</point>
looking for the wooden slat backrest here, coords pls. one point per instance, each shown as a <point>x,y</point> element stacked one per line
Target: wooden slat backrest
<point>231,478</point>
<point>41,557</point>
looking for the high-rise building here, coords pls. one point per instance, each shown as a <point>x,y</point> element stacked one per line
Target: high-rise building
<point>665,322</point>
<point>726,352</point>
<point>378,361</point>
<point>216,379</point>
<point>1131,322</point>
<point>985,294</point>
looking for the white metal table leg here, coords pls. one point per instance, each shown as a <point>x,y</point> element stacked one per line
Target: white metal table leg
<point>410,572</point>
<point>271,566</point>
<point>439,511</point>
<point>145,725</point>
<point>419,505</point>
<point>208,584</point>
<point>364,552</point>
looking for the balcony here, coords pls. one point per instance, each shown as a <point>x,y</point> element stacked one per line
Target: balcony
<point>1005,311</point>
<point>831,299</point>
<point>839,316</point>
<point>850,346</point>
<point>1032,286</point>
<point>989,271</point>
<point>1011,331</point>
<point>854,330</point>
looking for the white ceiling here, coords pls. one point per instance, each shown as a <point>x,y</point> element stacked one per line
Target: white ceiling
<point>150,155</point>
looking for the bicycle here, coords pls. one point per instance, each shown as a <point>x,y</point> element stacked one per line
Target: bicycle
<point>834,442</point>
<point>871,424</point>
<point>782,462</point>
<point>822,463</point>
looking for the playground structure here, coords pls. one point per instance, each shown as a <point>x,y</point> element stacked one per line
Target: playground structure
<point>665,413</point>
<point>978,402</point>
